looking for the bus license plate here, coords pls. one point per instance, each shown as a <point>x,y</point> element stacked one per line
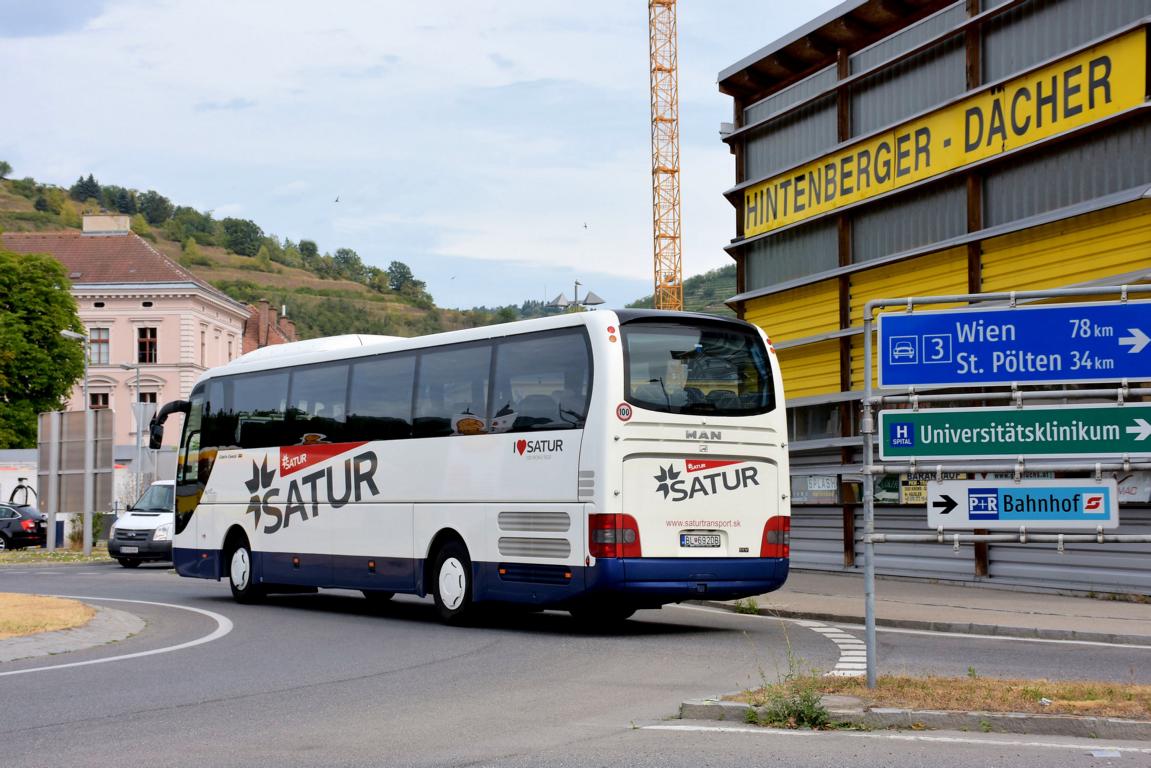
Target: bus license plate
<point>130,550</point>
<point>699,540</point>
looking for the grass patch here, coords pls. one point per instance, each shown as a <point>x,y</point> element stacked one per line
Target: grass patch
<point>29,614</point>
<point>973,694</point>
<point>37,556</point>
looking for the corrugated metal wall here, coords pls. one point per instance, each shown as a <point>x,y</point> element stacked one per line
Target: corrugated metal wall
<point>811,369</point>
<point>1112,241</point>
<point>908,38</point>
<point>817,543</point>
<point>797,252</point>
<point>821,81</point>
<point>1107,161</point>
<point>1042,29</point>
<point>794,314</point>
<point>790,140</point>
<point>912,86</point>
<point>937,213</point>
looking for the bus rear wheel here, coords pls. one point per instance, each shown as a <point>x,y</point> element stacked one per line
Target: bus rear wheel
<point>453,583</point>
<point>240,579</point>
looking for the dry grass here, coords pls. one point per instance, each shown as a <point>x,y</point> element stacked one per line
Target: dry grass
<point>985,694</point>
<point>38,556</point>
<point>29,614</point>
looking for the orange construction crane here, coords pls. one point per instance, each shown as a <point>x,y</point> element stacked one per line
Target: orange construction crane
<point>665,155</point>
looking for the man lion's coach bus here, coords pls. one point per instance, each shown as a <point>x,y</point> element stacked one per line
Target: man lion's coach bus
<point>597,462</point>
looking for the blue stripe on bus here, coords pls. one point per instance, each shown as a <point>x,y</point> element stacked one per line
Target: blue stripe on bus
<point>651,581</point>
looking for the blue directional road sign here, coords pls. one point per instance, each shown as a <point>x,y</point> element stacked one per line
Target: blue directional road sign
<point>1065,343</point>
<point>1004,504</point>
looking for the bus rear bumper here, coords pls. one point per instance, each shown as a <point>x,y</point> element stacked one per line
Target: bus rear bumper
<point>667,580</point>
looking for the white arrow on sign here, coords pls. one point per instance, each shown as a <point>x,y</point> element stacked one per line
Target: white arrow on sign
<point>1137,340</point>
<point>1142,431</point>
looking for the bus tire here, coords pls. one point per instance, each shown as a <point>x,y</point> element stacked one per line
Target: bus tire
<point>453,583</point>
<point>244,588</point>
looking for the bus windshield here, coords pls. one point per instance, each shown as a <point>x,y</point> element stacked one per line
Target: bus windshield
<point>697,368</point>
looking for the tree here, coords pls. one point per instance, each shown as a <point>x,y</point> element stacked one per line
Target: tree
<point>118,199</point>
<point>242,236</point>
<point>264,259</point>
<point>349,264</point>
<point>156,208</point>
<point>5,169</point>
<point>309,252</point>
<point>140,226</point>
<point>399,276</point>
<point>38,367</point>
<point>187,222</point>
<point>84,189</point>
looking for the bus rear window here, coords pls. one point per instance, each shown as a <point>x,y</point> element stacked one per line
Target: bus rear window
<point>702,368</point>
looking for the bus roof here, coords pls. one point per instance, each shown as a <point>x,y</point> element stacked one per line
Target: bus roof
<point>360,345</point>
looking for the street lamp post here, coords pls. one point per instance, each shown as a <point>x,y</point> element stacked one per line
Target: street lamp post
<point>136,414</point>
<point>84,341</point>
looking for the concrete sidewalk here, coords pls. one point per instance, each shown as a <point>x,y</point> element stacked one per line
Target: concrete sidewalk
<point>955,607</point>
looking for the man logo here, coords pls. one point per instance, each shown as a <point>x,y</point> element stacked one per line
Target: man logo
<point>703,434</point>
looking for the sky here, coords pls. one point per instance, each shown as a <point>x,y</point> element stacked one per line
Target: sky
<point>502,150</point>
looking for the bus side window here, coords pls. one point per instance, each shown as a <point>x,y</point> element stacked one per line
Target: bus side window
<point>380,398</point>
<point>317,405</point>
<point>259,402</point>
<point>452,391</point>
<point>541,382</point>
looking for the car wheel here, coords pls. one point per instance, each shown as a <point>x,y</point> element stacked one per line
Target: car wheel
<point>4,545</point>
<point>240,578</point>
<point>453,583</point>
<point>128,562</point>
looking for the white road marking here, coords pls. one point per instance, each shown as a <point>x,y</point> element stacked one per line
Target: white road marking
<point>899,737</point>
<point>223,627</point>
<point>927,632</point>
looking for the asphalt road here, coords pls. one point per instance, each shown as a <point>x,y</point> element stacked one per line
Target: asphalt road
<point>326,680</point>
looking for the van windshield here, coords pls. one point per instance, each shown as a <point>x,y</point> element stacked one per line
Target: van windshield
<point>158,498</point>
<point>697,368</point>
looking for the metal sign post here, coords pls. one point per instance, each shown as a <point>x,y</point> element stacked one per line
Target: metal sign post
<point>1006,345</point>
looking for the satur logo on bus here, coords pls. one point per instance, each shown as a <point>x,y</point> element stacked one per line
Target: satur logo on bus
<point>304,493</point>
<point>673,486</point>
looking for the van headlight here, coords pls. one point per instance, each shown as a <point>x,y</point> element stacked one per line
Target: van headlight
<point>163,533</point>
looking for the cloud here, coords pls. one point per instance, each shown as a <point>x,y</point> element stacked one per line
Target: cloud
<point>291,189</point>
<point>231,105</point>
<point>46,18</point>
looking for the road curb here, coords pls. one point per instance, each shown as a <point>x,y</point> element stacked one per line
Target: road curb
<point>109,625</point>
<point>985,722</point>
<point>990,630</point>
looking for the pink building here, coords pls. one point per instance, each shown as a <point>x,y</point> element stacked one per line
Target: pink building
<point>141,310</point>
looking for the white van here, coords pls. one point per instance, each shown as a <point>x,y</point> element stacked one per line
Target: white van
<point>144,532</point>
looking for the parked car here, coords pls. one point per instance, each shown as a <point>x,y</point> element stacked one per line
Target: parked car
<point>144,532</point>
<point>22,526</point>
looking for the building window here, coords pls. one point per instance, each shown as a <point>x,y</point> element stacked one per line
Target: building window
<point>145,345</point>
<point>229,348</point>
<point>97,400</point>
<point>98,341</point>
<point>203,346</point>
<point>147,397</point>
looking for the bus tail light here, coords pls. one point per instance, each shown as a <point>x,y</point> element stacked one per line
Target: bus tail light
<point>776,537</point>
<point>613,536</point>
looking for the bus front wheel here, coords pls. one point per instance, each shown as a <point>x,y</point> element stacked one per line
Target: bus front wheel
<point>453,583</point>
<point>244,587</point>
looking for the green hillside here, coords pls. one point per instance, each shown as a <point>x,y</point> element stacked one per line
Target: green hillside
<point>704,293</point>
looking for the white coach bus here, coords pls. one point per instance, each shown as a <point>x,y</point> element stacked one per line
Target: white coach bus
<point>597,462</point>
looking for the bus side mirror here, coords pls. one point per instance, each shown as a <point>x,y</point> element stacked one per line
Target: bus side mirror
<point>155,436</point>
<point>156,427</point>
